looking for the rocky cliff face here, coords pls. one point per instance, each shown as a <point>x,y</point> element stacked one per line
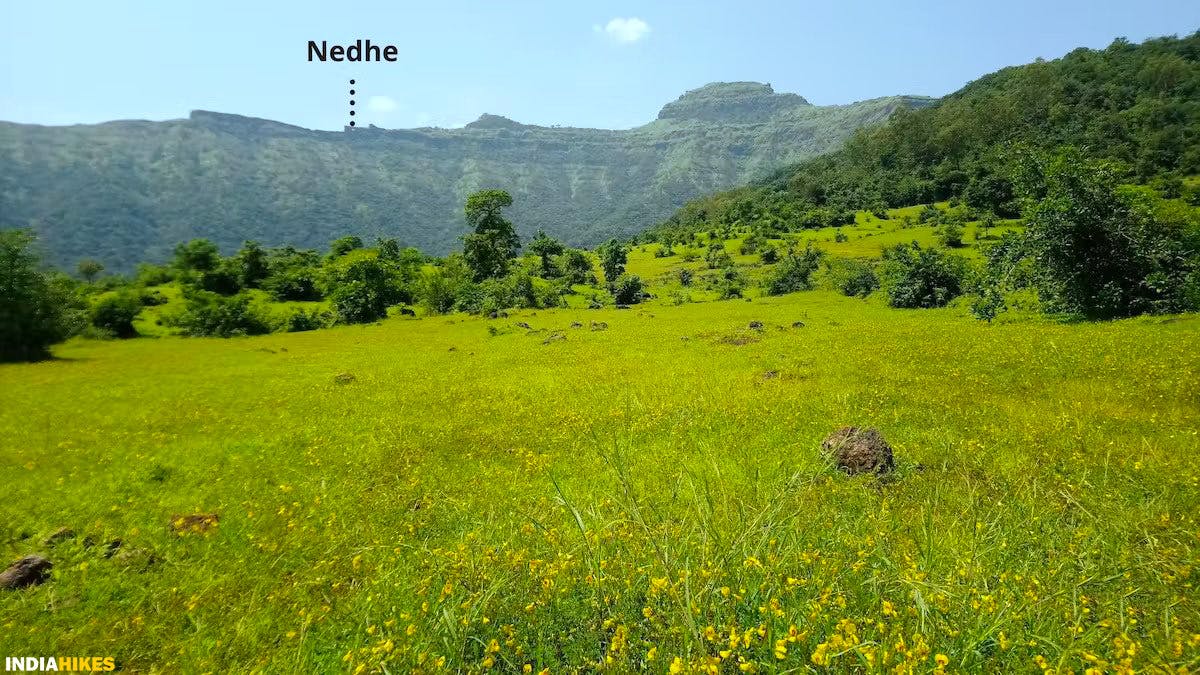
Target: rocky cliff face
<point>125,192</point>
<point>731,103</point>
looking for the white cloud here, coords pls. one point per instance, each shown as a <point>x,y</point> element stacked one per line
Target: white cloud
<point>625,30</point>
<point>382,104</point>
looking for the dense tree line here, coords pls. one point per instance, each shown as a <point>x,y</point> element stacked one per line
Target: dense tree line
<point>242,293</point>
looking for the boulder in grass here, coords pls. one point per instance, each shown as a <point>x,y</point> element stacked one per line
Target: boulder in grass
<point>344,378</point>
<point>856,451</point>
<point>28,571</point>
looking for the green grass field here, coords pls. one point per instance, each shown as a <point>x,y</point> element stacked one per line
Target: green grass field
<point>649,497</point>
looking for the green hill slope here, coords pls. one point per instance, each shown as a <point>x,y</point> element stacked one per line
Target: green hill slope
<point>129,191</point>
<point>1135,105</point>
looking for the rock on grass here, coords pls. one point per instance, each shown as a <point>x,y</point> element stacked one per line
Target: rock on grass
<point>855,451</point>
<point>28,571</point>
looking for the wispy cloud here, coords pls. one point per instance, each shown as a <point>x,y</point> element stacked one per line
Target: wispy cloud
<point>382,104</point>
<point>624,30</point>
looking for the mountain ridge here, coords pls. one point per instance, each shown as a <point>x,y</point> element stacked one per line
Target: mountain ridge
<point>129,190</point>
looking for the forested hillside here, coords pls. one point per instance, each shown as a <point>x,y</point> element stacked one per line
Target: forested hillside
<point>127,192</point>
<point>1135,105</point>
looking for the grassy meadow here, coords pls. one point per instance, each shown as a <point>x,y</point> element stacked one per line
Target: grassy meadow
<point>471,495</point>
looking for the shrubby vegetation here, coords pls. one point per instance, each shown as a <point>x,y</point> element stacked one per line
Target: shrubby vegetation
<point>794,272</point>
<point>1100,251</point>
<point>850,276</point>
<point>114,314</point>
<point>1046,143</point>
<point>916,277</point>
<point>628,290</point>
<point>213,314</point>
<point>37,309</point>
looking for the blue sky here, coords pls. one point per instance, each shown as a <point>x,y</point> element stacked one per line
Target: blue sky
<point>599,64</point>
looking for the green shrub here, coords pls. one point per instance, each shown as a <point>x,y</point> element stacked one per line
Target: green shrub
<point>114,315</point>
<point>851,276</point>
<point>575,267</point>
<point>988,304</point>
<point>296,284</point>
<point>950,234</point>
<point>362,292</point>
<point>629,290</point>
<point>921,277</point>
<point>717,257</point>
<point>211,314</point>
<point>225,278</point>
<point>731,283</point>
<point>358,302</point>
<point>794,272</point>
<point>153,275</point>
<point>301,320</point>
<point>753,244</point>
<point>440,289</point>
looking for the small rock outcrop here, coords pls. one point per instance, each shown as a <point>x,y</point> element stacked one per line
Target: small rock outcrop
<point>344,378</point>
<point>856,451</point>
<point>28,571</point>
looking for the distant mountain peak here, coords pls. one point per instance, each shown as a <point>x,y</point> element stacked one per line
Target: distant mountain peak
<point>489,121</point>
<point>731,102</point>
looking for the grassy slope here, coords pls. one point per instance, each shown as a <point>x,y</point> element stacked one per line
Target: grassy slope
<point>1045,507</point>
<point>865,239</point>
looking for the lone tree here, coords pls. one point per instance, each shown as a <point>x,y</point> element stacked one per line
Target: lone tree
<point>489,249</point>
<point>197,255</point>
<point>546,248</point>
<point>251,265</point>
<point>613,256</point>
<point>363,291</point>
<point>89,269</point>
<point>33,308</point>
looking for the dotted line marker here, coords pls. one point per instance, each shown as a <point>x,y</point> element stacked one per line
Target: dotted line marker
<point>352,103</point>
